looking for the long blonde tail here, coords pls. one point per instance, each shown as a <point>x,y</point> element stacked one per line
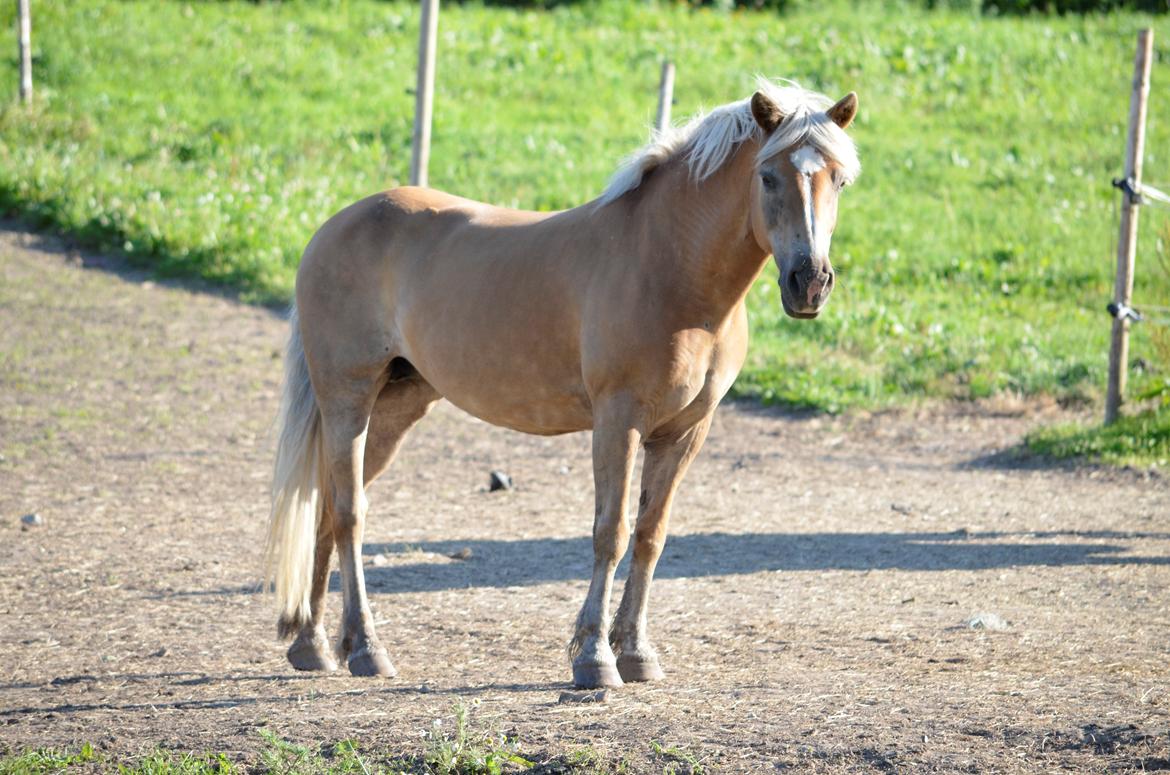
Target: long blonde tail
<point>298,487</point>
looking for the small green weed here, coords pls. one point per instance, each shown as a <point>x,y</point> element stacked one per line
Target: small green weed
<point>167,763</point>
<point>45,760</point>
<point>677,761</point>
<point>467,752</point>
<point>281,756</point>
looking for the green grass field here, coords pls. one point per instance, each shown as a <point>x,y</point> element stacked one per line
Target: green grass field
<point>975,252</point>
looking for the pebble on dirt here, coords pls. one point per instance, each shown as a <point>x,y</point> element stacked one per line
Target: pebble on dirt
<point>463,554</point>
<point>601,695</point>
<point>986,621</point>
<point>31,520</point>
<point>499,481</point>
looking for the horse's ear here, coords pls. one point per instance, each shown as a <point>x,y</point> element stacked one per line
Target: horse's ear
<point>766,112</point>
<point>844,111</point>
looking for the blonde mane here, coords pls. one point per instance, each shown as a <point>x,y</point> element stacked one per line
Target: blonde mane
<point>708,140</point>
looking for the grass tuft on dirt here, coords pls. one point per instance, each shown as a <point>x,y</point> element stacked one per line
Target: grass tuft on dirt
<point>1139,440</point>
<point>44,761</point>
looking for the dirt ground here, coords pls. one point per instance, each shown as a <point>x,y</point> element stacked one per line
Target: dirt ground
<point>809,608</point>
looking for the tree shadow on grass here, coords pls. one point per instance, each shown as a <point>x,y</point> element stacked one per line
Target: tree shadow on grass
<point>432,566</point>
<point>94,246</point>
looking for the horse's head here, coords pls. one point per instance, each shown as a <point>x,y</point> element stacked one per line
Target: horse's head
<point>794,196</point>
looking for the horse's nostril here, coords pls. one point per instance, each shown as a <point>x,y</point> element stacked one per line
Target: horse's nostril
<point>793,283</point>
<point>832,277</point>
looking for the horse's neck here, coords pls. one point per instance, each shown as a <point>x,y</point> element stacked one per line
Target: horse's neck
<point>702,231</point>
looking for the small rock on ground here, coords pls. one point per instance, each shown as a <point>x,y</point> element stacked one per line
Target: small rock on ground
<point>986,621</point>
<point>601,695</point>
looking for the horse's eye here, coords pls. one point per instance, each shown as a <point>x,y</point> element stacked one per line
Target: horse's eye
<point>769,180</point>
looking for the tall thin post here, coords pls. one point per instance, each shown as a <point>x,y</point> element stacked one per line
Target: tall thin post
<point>424,93</point>
<point>24,34</point>
<point>665,95</point>
<point>1127,241</point>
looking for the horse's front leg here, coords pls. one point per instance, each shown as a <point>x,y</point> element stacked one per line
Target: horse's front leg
<point>616,436</point>
<point>666,462</point>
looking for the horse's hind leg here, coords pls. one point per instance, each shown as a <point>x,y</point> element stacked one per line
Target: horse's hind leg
<point>346,403</point>
<point>310,650</point>
<point>401,404</point>
<point>665,465</point>
<point>360,445</point>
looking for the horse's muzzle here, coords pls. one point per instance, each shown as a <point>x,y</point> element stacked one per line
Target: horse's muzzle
<point>804,293</point>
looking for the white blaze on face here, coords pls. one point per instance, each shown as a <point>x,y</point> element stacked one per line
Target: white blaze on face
<point>808,160</point>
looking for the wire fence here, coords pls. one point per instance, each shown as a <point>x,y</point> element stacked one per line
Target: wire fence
<point>1141,194</point>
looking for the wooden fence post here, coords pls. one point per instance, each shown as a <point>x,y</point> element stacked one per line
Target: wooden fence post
<point>424,93</point>
<point>24,43</point>
<point>665,96</point>
<point>1127,242</point>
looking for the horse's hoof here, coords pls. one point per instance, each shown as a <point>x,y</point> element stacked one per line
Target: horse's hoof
<point>310,651</point>
<point>596,676</point>
<point>633,669</point>
<point>309,656</point>
<point>369,662</point>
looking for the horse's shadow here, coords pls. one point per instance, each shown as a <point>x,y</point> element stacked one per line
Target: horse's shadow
<point>458,564</point>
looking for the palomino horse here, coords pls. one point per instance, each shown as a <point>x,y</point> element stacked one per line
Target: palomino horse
<point>624,315</point>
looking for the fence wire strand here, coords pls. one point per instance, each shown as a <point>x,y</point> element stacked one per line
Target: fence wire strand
<point>1152,196</point>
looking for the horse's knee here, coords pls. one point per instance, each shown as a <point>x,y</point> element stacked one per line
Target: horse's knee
<point>611,538</point>
<point>648,545</point>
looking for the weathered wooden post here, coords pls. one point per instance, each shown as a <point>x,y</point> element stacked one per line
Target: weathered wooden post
<point>424,93</point>
<point>1127,242</point>
<point>665,95</point>
<point>24,43</point>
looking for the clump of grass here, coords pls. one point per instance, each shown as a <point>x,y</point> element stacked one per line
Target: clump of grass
<point>465,751</point>
<point>1142,439</point>
<point>282,756</point>
<point>676,760</point>
<point>45,760</point>
<point>167,763</point>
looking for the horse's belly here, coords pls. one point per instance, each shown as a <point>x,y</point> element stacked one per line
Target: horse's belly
<point>499,339</point>
<point>545,417</point>
<point>513,389</point>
